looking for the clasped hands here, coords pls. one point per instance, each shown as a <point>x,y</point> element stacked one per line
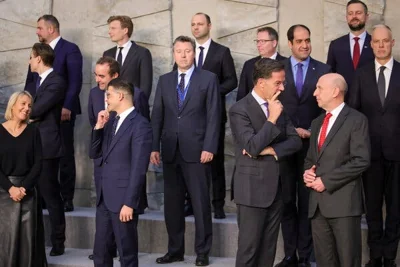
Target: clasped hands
<point>17,193</point>
<point>312,181</point>
<point>266,151</point>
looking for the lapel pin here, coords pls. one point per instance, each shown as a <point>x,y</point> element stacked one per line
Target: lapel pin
<point>313,68</point>
<point>365,46</point>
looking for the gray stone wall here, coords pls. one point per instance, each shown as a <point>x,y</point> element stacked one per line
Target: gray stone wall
<point>157,22</point>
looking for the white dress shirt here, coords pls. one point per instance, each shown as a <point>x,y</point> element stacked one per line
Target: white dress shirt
<point>188,75</point>
<point>335,113</point>
<point>387,73</point>
<point>123,116</point>
<point>361,42</point>
<point>54,42</point>
<point>206,46</point>
<point>44,75</point>
<point>124,51</point>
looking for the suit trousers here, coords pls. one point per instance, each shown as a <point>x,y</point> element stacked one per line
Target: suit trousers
<point>109,225</point>
<point>296,226</point>
<point>218,172</point>
<point>195,177</point>
<point>382,183</point>
<point>67,162</point>
<point>49,189</point>
<point>258,234</point>
<point>337,241</point>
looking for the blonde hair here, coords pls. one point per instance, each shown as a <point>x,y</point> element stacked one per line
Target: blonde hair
<point>11,102</point>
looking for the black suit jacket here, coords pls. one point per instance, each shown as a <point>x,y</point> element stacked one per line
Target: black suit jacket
<point>257,179</point>
<point>196,126</point>
<point>344,156</point>
<point>46,112</point>
<point>137,68</point>
<point>384,122</point>
<point>220,62</point>
<point>246,77</point>
<point>339,57</point>
<point>302,110</point>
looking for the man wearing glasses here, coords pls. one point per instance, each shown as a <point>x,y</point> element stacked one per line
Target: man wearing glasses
<point>302,74</point>
<point>267,42</point>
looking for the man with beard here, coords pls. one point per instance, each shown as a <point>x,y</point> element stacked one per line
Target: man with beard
<point>352,51</point>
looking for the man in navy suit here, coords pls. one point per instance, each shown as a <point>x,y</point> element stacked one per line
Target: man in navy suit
<point>186,119</point>
<point>68,64</point>
<point>107,69</point>
<point>351,51</point>
<point>302,74</point>
<point>48,94</point>
<point>376,94</point>
<point>124,145</point>
<point>135,61</point>
<point>267,43</point>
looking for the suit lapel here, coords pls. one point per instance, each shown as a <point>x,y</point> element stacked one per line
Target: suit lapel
<point>192,87</point>
<point>58,46</point>
<point>335,127</point>
<point>256,109</point>
<point>210,54</point>
<point>310,80</point>
<point>364,50</point>
<point>393,84</point>
<point>43,85</point>
<point>290,80</point>
<point>316,130</point>
<point>129,57</point>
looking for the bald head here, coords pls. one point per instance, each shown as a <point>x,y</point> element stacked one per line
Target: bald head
<point>330,91</point>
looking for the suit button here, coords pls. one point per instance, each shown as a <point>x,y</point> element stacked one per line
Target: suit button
<point>105,162</point>
<point>179,117</point>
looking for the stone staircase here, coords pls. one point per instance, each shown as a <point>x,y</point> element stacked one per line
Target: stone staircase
<point>153,240</point>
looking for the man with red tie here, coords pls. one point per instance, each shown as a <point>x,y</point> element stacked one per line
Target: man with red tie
<point>351,51</point>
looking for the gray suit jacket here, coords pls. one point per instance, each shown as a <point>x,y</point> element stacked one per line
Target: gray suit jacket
<point>344,156</point>
<point>257,179</point>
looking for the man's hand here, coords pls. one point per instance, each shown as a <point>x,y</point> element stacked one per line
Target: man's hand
<point>102,118</point>
<point>274,108</point>
<point>65,114</point>
<point>268,151</point>
<point>16,194</point>
<point>317,185</point>
<point>309,175</point>
<point>303,133</point>
<point>206,157</point>
<point>155,158</point>
<point>244,152</point>
<point>126,214</point>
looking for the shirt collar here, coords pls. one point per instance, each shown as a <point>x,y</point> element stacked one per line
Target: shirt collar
<point>258,98</point>
<point>126,45</point>
<point>361,36</point>
<point>388,65</point>
<point>206,45</point>
<point>335,112</point>
<point>125,114</point>
<point>294,62</point>
<point>54,42</point>
<point>44,75</point>
<point>188,72</point>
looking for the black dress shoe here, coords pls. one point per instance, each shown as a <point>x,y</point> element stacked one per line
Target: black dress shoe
<point>374,263</point>
<point>188,209</point>
<point>68,206</point>
<point>168,258</point>
<point>304,263</point>
<point>219,213</point>
<point>389,263</point>
<point>288,262</point>
<point>202,260</point>
<point>91,256</point>
<point>56,251</point>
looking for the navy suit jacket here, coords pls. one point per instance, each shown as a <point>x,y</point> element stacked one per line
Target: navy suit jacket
<point>384,121</point>
<point>302,110</point>
<point>196,126</point>
<point>246,83</point>
<point>137,68</point>
<point>68,64</point>
<point>46,112</point>
<point>125,159</point>
<point>339,57</point>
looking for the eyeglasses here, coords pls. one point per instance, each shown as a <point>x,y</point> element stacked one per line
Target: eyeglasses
<point>262,41</point>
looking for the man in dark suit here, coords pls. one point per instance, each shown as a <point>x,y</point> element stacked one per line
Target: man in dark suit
<point>48,94</point>
<point>124,145</point>
<point>68,64</point>
<point>186,119</point>
<point>376,93</point>
<point>339,152</point>
<point>135,61</point>
<point>267,44</point>
<point>266,135</point>
<point>348,53</point>
<point>302,74</point>
<point>107,69</point>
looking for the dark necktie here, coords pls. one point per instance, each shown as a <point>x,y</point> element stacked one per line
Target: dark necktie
<point>38,83</point>
<point>119,58</point>
<point>201,56</point>
<point>324,129</point>
<point>181,88</point>
<point>266,106</point>
<point>299,79</point>
<point>356,52</point>
<point>114,126</point>
<point>382,85</point>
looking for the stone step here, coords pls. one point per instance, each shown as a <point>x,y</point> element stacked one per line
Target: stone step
<point>79,258</point>
<point>153,239</point>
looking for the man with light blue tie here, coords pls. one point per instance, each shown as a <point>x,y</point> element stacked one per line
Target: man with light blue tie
<point>302,74</point>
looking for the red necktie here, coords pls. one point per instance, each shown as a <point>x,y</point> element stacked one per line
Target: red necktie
<point>356,52</point>
<point>324,128</point>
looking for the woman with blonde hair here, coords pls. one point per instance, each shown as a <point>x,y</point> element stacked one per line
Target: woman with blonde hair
<point>21,225</point>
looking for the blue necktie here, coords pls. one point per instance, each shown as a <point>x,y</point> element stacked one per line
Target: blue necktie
<point>119,57</point>
<point>38,83</point>
<point>299,79</point>
<point>181,91</point>
<point>114,126</point>
<point>200,63</point>
<point>266,106</point>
